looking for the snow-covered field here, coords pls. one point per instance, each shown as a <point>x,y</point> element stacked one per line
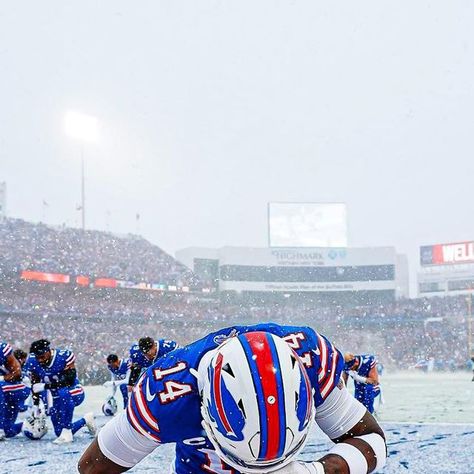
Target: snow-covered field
<point>428,419</point>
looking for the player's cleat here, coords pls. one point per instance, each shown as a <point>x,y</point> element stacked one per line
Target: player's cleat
<point>90,423</point>
<point>2,435</point>
<point>65,437</point>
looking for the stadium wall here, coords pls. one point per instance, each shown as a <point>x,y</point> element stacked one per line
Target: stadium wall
<point>374,271</point>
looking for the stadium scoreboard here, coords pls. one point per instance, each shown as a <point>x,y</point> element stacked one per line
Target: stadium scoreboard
<point>307,224</point>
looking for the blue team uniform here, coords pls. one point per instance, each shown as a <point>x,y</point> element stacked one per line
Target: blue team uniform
<point>138,359</point>
<point>12,396</point>
<point>165,404</point>
<point>366,393</point>
<point>65,399</point>
<point>119,374</point>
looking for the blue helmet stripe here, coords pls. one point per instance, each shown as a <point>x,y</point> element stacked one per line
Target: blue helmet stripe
<point>260,398</point>
<point>281,394</point>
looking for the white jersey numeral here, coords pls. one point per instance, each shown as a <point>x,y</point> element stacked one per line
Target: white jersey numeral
<point>294,339</point>
<point>174,390</point>
<point>307,360</point>
<point>158,374</point>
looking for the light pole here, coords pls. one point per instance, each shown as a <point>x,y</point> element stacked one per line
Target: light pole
<point>83,189</point>
<point>84,128</point>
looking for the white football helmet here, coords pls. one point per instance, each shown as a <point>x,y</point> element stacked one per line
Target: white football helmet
<point>257,402</point>
<point>34,426</point>
<point>109,408</point>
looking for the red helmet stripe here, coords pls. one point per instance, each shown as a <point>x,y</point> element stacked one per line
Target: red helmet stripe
<point>217,392</point>
<point>266,367</point>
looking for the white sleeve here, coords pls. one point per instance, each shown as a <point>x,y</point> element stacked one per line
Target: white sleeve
<point>122,444</point>
<point>357,377</point>
<point>339,412</point>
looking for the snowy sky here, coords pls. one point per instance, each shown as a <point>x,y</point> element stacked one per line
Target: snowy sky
<point>210,109</point>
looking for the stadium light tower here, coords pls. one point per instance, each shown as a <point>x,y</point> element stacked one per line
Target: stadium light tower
<point>84,128</point>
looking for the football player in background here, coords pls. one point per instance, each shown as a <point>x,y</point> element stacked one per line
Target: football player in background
<point>21,356</point>
<point>54,370</point>
<point>363,370</point>
<point>242,400</point>
<point>144,354</point>
<point>13,392</point>
<point>120,373</point>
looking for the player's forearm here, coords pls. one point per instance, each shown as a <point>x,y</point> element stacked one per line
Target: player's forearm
<point>366,442</point>
<point>11,377</point>
<point>353,456</point>
<point>361,450</point>
<point>14,370</point>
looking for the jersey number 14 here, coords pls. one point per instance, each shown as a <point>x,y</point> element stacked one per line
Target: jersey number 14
<point>173,389</point>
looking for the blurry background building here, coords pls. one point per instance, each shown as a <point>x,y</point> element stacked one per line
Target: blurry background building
<point>328,275</point>
<point>446,269</point>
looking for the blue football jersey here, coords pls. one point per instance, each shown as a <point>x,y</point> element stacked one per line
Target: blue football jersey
<point>165,404</point>
<point>137,357</point>
<point>10,386</point>
<point>120,373</point>
<point>5,351</point>
<point>61,360</point>
<point>367,363</point>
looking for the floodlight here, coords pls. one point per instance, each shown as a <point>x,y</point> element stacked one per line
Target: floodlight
<point>81,126</point>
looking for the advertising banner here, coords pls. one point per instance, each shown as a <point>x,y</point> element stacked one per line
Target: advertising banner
<point>311,257</point>
<point>310,287</point>
<point>105,283</point>
<point>447,254</point>
<point>47,277</point>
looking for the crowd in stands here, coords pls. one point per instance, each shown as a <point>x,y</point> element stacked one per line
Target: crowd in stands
<point>38,247</point>
<point>96,322</point>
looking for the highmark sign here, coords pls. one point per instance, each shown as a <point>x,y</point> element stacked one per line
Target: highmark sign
<point>316,257</point>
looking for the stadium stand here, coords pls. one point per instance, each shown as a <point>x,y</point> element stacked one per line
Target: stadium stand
<point>38,247</point>
<point>95,322</point>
